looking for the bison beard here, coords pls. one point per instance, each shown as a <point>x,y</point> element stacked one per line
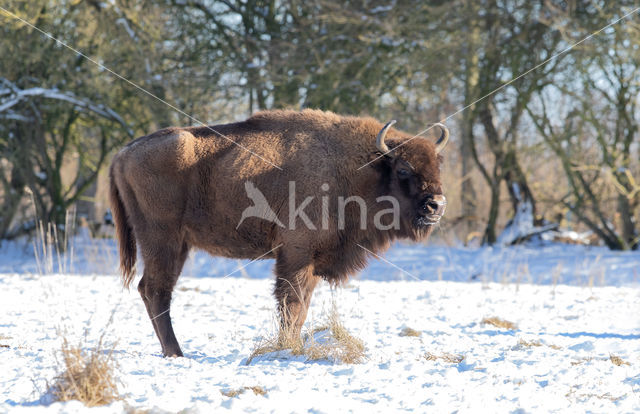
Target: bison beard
<point>184,188</point>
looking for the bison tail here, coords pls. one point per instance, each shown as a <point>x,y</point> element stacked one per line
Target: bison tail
<point>124,233</point>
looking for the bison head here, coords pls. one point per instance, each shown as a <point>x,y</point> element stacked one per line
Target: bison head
<point>412,176</point>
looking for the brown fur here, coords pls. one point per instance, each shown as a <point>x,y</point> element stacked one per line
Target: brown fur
<point>183,188</point>
<point>125,235</point>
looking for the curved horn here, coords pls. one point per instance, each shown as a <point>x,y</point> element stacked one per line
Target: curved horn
<point>444,137</point>
<point>380,138</point>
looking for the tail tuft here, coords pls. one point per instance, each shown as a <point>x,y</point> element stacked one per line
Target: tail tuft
<point>124,232</point>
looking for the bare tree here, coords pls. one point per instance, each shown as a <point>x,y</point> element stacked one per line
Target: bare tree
<point>36,156</point>
<point>596,136</point>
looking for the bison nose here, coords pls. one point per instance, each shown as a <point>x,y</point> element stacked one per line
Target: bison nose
<point>435,205</point>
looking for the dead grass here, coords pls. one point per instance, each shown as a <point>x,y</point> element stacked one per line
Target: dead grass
<point>257,390</point>
<point>341,346</point>
<point>446,357</point>
<point>281,342</point>
<point>499,323</point>
<point>581,361</point>
<point>86,376</point>
<point>410,332</point>
<point>535,343</point>
<point>529,344</point>
<point>605,396</point>
<point>616,360</point>
<point>274,344</point>
<point>4,338</point>
<point>338,345</point>
<point>284,340</point>
<point>49,246</point>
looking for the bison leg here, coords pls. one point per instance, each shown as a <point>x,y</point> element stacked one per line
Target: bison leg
<point>161,271</point>
<point>147,303</point>
<point>293,292</point>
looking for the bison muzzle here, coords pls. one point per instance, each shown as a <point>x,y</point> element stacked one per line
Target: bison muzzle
<point>315,191</point>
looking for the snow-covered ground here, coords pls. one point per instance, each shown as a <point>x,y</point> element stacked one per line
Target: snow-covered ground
<point>574,308</point>
<point>548,263</point>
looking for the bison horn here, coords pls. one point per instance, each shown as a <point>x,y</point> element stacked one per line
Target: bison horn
<point>444,137</point>
<point>380,139</point>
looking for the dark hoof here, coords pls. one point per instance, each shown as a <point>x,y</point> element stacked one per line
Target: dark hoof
<point>173,354</point>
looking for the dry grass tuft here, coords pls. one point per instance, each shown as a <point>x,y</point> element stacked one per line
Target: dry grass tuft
<point>87,376</point>
<point>257,390</point>
<point>535,343</point>
<point>616,360</point>
<point>338,345</point>
<point>269,345</point>
<point>605,396</point>
<point>341,346</point>
<point>446,357</point>
<point>529,344</point>
<point>4,338</point>
<point>500,323</point>
<point>283,342</point>
<point>410,332</point>
<point>581,361</point>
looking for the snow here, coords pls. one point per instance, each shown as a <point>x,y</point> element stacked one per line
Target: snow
<point>547,263</point>
<point>381,9</point>
<point>579,303</point>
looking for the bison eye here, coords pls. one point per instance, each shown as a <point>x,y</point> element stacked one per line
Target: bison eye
<point>402,173</point>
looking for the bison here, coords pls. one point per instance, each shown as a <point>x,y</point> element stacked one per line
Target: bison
<point>318,192</point>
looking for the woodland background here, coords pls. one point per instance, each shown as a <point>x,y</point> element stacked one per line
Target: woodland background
<point>560,146</point>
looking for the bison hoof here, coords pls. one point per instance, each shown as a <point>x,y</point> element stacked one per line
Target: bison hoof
<point>174,354</point>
